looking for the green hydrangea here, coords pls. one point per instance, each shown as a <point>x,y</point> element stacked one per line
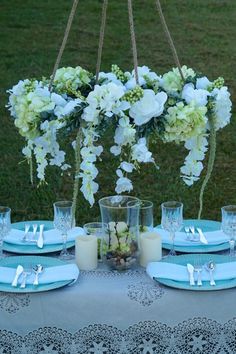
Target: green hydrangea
<point>70,80</point>
<point>183,122</point>
<point>172,81</point>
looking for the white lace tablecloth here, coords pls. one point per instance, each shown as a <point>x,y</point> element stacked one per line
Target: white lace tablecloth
<point>108,312</point>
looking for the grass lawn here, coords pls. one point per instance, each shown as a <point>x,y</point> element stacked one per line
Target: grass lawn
<point>31,31</point>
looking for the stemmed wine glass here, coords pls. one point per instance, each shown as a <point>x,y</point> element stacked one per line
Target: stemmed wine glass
<point>172,220</point>
<point>5,225</point>
<point>228,225</point>
<point>63,219</point>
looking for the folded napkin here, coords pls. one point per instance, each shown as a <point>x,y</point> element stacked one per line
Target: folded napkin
<point>50,237</point>
<point>223,271</point>
<point>49,275</point>
<point>213,237</point>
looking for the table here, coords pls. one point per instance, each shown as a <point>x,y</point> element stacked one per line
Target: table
<point>108,312</point>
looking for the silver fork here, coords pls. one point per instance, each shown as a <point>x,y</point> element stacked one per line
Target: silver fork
<point>194,238</point>
<point>187,231</point>
<point>25,274</point>
<point>198,269</point>
<point>27,228</point>
<point>35,227</point>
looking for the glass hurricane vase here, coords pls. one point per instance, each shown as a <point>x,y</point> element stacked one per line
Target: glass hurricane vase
<point>121,230</point>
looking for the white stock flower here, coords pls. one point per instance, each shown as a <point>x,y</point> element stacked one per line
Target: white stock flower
<point>149,106</point>
<point>143,74</point>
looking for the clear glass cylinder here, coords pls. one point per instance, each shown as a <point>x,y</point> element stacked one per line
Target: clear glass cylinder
<point>121,230</point>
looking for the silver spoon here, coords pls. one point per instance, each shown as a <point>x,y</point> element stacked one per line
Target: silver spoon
<point>210,266</point>
<point>37,270</point>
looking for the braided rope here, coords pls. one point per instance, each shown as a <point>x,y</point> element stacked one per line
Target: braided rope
<point>101,38</point>
<point>64,41</point>
<point>169,38</point>
<point>133,41</point>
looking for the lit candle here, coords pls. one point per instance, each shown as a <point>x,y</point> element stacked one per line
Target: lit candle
<point>86,250</point>
<point>150,248</point>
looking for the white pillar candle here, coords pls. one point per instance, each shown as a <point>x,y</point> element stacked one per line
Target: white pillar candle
<point>150,248</point>
<point>86,251</point>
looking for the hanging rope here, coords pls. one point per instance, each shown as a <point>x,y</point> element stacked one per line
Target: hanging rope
<point>169,38</point>
<point>133,41</point>
<point>211,160</point>
<point>101,38</point>
<point>63,44</point>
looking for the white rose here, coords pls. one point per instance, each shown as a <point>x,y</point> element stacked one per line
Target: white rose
<point>148,107</point>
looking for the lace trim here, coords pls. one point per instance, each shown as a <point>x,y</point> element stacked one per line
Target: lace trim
<point>196,335</point>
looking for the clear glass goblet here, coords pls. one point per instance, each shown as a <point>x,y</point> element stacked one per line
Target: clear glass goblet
<point>63,220</point>
<point>5,225</point>
<point>228,226</point>
<point>172,220</point>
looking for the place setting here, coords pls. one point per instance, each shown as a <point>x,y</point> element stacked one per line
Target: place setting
<point>197,271</point>
<point>35,273</point>
<point>40,237</point>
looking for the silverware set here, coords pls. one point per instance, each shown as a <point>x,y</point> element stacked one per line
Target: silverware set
<point>198,268</point>
<point>22,274</point>
<point>32,237</point>
<point>195,235</point>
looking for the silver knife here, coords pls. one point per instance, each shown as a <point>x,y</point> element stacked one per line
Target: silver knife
<point>202,237</point>
<point>191,274</point>
<point>19,271</point>
<point>40,238</point>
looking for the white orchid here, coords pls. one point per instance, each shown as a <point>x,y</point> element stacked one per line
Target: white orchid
<point>123,184</point>
<point>140,151</point>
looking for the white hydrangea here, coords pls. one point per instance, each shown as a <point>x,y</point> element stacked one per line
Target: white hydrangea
<point>198,96</point>
<point>222,107</point>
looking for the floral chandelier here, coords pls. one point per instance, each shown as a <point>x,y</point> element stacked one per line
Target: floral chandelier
<point>180,106</point>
